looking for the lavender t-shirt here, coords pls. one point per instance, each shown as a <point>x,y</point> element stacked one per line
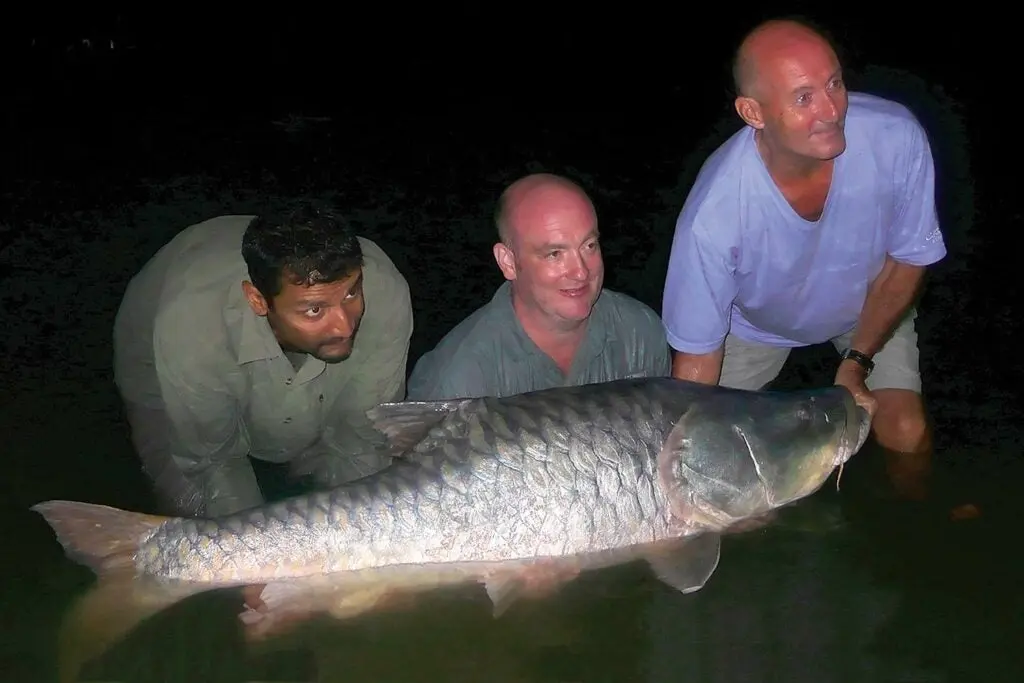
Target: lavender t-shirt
<point>743,261</point>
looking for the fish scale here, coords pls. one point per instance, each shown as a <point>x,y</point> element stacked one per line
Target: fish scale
<point>537,443</point>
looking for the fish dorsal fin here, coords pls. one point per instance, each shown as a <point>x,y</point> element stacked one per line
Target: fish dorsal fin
<point>406,423</point>
<point>686,565</point>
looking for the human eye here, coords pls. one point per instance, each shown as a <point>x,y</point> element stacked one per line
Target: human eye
<point>313,312</point>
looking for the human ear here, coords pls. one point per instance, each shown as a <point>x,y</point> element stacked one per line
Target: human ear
<point>749,110</point>
<point>257,302</point>
<point>506,260</point>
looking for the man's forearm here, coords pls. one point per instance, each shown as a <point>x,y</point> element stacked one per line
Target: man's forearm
<point>345,453</point>
<point>705,368</point>
<point>889,297</point>
<point>187,482</point>
<point>230,486</point>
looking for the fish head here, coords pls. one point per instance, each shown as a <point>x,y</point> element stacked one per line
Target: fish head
<point>796,446</point>
<point>739,454</point>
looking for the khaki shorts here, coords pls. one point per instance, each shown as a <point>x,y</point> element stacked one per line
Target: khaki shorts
<point>748,365</point>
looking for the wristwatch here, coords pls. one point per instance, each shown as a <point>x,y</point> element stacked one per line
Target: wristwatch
<point>859,358</point>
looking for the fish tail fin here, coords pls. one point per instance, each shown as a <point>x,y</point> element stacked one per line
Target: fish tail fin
<point>102,538</point>
<point>105,539</point>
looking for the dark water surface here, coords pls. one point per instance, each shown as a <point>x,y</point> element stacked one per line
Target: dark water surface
<point>848,587</point>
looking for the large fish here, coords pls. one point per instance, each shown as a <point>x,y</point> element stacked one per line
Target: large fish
<point>502,491</point>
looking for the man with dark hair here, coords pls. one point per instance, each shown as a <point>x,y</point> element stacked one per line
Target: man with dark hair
<point>552,323</point>
<point>260,337</point>
<point>815,222</point>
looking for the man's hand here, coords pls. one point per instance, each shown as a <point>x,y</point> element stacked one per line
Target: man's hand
<point>852,375</point>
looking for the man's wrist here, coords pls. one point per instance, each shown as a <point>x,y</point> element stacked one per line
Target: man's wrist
<point>858,358</point>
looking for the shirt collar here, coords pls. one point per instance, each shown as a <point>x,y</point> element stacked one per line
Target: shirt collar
<point>249,334</point>
<point>598,336</point>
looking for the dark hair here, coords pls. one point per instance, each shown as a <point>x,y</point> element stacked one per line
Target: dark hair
<point>307,245</point>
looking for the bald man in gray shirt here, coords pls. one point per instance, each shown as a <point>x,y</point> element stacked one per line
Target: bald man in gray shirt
<point>552,323</point>
<point>267,337</point>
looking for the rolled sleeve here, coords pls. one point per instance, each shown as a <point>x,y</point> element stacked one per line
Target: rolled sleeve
<point>202,438</point>
<point>652,356</point>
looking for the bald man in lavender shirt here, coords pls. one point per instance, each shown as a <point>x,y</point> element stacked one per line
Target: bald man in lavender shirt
<point>813,223</point>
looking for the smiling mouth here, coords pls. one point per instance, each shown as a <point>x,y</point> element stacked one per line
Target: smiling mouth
<point>576,291</point>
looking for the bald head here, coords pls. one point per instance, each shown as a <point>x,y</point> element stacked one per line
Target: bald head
<point>767,46</point>
<point>538,199</point>
<point>550,253</point>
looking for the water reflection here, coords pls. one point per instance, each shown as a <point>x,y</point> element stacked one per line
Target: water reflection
<point>792,605</point>
<point>592,631</point>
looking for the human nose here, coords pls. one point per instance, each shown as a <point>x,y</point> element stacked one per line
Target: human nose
<point>578,269</point>
<point>341,322</point>
<point>828,109</point>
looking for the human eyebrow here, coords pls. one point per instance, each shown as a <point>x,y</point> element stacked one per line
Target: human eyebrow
<point>551,246</point>
<point>310,303</point>
<point>314,301</point>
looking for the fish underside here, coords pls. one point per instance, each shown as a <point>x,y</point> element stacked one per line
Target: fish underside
<point>517,493</point>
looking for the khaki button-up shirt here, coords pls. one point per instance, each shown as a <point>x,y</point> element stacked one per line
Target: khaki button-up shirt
<point>207,384</point>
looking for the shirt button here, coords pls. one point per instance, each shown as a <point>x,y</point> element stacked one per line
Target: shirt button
<point>287,420</point>
<point>288,381</point>
<point>321,398</point>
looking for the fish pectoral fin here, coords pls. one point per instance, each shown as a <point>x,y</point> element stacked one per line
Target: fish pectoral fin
<point>503,590</point>
<point>353,603</point>
<point>405,424</point>
<point>539,579</point>
<point>686,565</point>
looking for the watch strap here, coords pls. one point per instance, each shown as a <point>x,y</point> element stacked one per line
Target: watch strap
<point>860,358</point>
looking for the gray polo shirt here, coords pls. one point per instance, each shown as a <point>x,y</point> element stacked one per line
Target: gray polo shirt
<point>191,355</point>
<point>489,353</point>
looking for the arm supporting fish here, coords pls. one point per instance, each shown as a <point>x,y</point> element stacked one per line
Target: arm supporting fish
<point>889,297</point>
<point>196,459</point>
